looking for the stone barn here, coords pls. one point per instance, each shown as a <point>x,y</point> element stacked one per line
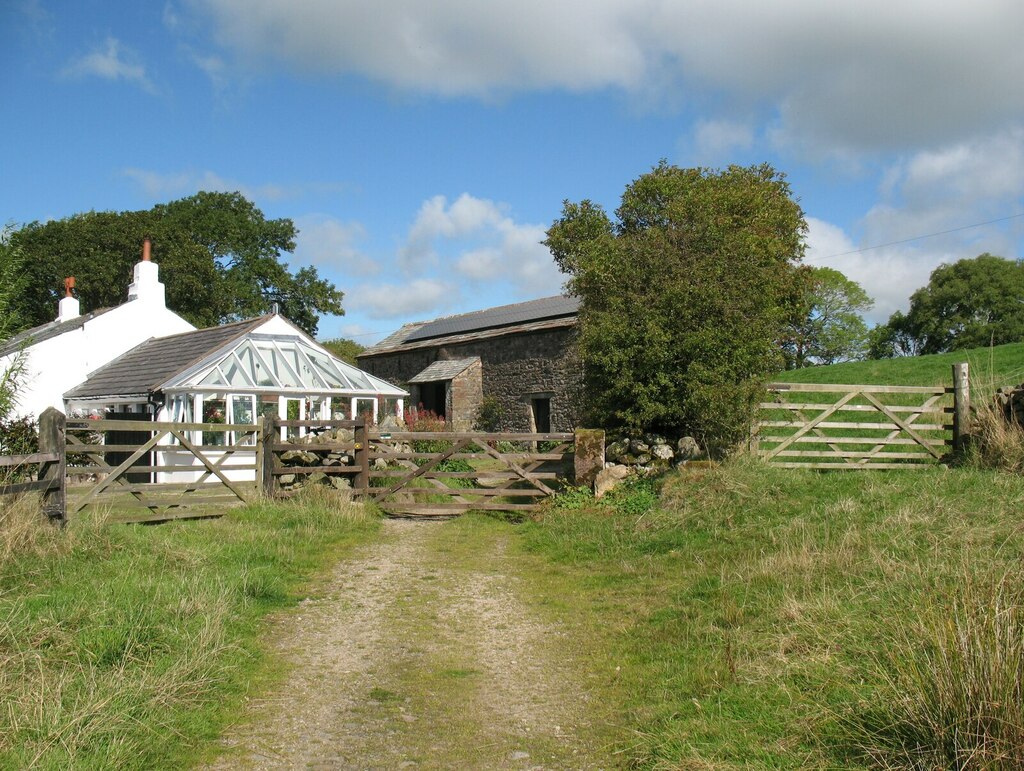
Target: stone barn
<point>523,356</point>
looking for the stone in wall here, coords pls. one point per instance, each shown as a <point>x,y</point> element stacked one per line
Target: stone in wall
<point>515,367</point>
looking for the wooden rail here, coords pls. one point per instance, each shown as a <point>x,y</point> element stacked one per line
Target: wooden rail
<point>860,426</point>
<point>154,471</point>
<point>411,472</point>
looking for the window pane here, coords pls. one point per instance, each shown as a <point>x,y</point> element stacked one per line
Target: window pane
<point>214,411</point>
<point>242,411</point>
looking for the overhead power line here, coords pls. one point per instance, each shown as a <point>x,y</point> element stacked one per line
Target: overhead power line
<point>917,238</point>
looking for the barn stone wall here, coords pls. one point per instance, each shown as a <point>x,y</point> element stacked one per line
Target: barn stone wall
<point>515,368</point>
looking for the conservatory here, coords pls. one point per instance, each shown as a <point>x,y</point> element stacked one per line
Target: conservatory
<point>233,374</point>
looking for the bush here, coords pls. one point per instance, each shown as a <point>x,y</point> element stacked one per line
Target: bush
<point>683,298</point>
<point>421,420</point>
<point>19,436</point>
<point>490,417</point>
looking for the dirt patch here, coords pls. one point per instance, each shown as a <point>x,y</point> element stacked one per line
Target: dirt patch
<point>420,653</point>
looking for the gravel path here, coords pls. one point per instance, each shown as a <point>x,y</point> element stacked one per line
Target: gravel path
<point>419,653</point>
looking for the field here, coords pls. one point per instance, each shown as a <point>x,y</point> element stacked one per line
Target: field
<point>755,617</point>
<point>999,365</point>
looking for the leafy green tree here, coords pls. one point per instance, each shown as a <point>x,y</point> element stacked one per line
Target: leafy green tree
<point>344,349</point>
<point>971,303</point>
<point>11,280</point>
<point>830,328</point>
<point>220,259</point>
<point>684,297</point>
<point>893,339</point>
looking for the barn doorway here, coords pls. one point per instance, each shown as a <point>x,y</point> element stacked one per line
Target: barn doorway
<point>434,397</point>
<point>540,414</point>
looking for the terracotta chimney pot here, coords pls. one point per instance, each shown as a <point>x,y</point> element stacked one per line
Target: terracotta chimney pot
<point>146,250</point>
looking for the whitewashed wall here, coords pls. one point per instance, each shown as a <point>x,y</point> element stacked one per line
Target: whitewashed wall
<point>62,362</point>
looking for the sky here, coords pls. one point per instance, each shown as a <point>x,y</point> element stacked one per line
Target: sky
<point>422,149</point>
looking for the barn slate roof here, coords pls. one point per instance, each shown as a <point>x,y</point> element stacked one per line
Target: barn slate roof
<point>48,331</point>
<point>533,315</point>
<point>443,370</point>
<point>143,369</point>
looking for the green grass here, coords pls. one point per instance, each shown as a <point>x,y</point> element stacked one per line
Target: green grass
<point>747,612</point>
<point>999,365</point>
<point>131,646</point>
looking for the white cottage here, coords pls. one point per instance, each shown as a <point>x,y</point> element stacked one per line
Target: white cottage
<point>234,374</point>
<point>61,353</point>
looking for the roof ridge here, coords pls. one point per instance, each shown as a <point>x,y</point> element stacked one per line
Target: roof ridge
<point>493,308</point>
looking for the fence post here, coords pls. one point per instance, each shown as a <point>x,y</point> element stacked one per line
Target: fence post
<point>51,440</point>
<point>589,457</point>
<point>361,482</point>
<point>961,406</point>
<point>268,435</point>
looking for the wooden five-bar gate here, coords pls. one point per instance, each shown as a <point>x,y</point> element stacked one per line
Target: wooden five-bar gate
<point>852,427</point>
<point>425,473</point>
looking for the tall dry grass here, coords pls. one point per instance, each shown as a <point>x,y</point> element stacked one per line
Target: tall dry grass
<point>952,684</point>
<point>996,442</point>
<point>25,529</point>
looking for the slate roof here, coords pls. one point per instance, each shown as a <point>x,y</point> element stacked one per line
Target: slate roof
<point>443,370</point>
<point>527,316</point>
<point>47,331</point>
<point>143,369</point>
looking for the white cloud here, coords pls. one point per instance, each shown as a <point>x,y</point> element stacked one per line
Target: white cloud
<point>714,140</point>
<point>868,74</point>
<point>391,301</point>
<point>157,184</point>
<point>331,243</point>
<point>931,192</point>
<point>213,67</point>
<point>111,62</point>
<point>482,243</point>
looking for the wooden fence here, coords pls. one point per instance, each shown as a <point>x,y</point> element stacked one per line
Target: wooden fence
<point>854,427</point>
<point>425,473</point>
<point>42,471</point>
<point>155,471</point>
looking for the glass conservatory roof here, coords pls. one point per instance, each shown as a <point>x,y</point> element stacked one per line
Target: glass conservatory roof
<point>259,362</point>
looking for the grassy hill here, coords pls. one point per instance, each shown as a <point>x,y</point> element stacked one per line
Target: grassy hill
<point>990,368</point>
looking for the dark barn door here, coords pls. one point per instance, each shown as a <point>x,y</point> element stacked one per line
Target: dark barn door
<point>135,438</point>
<point>433,396</point>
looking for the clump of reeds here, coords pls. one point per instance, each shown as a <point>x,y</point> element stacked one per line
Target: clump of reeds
<point>951,689</point>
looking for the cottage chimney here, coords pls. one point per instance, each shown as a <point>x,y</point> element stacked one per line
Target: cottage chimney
<point>69,307</point>
<point>147,286</point>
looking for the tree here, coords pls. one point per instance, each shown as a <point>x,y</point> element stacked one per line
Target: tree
<point>220,260</point>
<point>971,303</point>
<point>11,280</point>
<point>344,349</point>
<point>888,341</point>
<point>684,298</point>
<point>830,328</point>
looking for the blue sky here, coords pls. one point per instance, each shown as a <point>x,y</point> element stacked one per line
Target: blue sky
<point>423,148</point>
